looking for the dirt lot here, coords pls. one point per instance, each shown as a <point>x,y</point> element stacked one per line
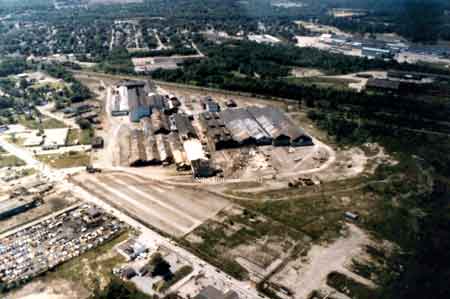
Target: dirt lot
<point>58,289</point>
<point>245,244</point>
<point>300,72</point>
<point>309,273</point>
<point>173,210</point>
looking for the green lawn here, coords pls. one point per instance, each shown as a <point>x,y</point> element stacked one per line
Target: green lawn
<point>10,161</point>
<point>66,160</point>
<point>51,123</point>
<point>77,136</point>
<point>47,123</point>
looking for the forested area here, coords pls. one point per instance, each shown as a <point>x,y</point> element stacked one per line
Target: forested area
<point>12,66</point>
<point>418,20</point>
<point>422,265</point>
<point>261,69</point>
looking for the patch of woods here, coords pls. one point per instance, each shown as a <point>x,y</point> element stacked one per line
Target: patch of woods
<point>263,70</point>
<point>418,20</point>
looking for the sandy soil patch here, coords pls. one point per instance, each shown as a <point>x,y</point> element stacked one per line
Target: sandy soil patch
<point>309,273</point>
<point>58,289</point>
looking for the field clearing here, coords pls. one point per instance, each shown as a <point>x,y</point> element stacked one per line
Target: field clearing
<point>77,136</point>
<point>323,82</point>
<point>66,160</point>
<point>47,123</point>
<point>77,278</point>
<point>10,161</point>
<point>245,244</point>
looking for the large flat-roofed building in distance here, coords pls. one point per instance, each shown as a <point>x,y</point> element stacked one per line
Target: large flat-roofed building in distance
<point>138,100</point>
<point>371,52</point>
<point>263,126</point>
<point>280,128</point>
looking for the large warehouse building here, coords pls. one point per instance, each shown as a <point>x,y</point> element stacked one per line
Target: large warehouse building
<point>187,140</point>
<point>260,126</point>
<point>138,99</point>
<point>279,127</point>
<point>14,206</point>
<point>244,127</point>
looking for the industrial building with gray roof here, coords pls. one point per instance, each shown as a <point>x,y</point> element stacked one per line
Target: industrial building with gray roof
<point>263,126</point>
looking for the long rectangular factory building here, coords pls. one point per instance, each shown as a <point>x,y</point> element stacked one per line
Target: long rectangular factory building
<point>14,206</point>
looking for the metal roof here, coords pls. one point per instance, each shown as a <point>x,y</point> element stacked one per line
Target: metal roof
<point>276,123</point>
<point>243,125</point>
<point>184,126</point>
<point>14,203</point>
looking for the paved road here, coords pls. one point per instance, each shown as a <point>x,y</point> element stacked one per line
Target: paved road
<point>21,153</point>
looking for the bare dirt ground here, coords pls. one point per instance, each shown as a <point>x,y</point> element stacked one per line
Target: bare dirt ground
<point>173,210</point>
<point>58,289</point>
<point>321,28</point>
<point>353,162</point>
<point>309,273</point>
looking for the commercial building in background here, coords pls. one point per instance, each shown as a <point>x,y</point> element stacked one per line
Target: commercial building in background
<point>371,52</point>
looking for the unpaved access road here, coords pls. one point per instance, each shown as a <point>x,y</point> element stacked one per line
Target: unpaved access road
<point>304,278</point>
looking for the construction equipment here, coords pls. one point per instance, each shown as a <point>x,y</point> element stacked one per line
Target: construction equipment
<point>92,169</point>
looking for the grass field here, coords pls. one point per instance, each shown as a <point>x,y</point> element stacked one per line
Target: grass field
<point>47,123</point>
<point>91,268</point>
<point>341,84</point>
<point>10,161</point>
<point>66,160</point>
<point>237,233</point>
<point>14,139</point>
<point>77,136</point>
